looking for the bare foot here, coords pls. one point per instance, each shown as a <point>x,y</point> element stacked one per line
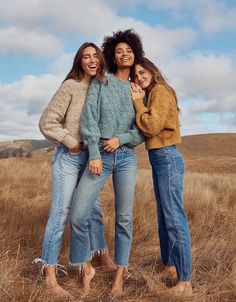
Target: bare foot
<point>117,287</point>
<point>182,288</point>
<point>106,261</point>
<point>168,273</point>
<point>58,291</point>
<point>51,283</point>
<point>88,274</point>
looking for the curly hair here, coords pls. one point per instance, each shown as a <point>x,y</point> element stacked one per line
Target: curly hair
<point>128,36</point>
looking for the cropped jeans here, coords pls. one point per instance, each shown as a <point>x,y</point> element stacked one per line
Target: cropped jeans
<point>168,174</point>
<point>67,170</point>
<point>122,165</point>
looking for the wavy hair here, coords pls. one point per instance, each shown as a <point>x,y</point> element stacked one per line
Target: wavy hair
<point>157,77</point>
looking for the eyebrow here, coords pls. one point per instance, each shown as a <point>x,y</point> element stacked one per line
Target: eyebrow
<point>125,48</point>
<point>89,54</point>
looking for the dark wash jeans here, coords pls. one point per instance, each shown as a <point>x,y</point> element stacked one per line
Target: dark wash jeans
<point>175,244</point>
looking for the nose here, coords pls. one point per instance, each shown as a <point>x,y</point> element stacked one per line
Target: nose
<point>138,77</point>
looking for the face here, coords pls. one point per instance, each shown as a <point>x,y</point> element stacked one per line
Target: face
<point>143,77</point>
<point>124,56</point>
<point>90,62</point>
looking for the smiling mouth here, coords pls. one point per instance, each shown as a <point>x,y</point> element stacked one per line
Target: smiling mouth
<point>94,66</point>
<point>125,59</point>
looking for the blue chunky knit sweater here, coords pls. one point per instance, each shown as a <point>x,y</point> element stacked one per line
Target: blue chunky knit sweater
<point>109,112</point>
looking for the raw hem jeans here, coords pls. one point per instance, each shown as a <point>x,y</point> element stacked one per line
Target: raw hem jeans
<point>122,165</point>
<point>67,170</point>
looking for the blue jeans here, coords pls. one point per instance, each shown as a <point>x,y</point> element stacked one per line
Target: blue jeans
<point>122,165</point>
<point>67,170</point>
<point>168,174</point>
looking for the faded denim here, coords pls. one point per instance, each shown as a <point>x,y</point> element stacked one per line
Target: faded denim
<point>67,170</point>
<point>168,174</point>
<point>122,165</point>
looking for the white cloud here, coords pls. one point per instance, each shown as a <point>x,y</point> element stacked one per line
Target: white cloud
<point>62,64</point>
<point>17,41</point>
<point>210,78</point>
<point>204,83</point>
<point>22,103</point>
<point>31,94</point>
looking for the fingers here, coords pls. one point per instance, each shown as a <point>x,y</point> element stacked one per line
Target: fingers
<point>135,87</point>
<point>112,144</point>
<point>95,166</point>
<point>109,148</point>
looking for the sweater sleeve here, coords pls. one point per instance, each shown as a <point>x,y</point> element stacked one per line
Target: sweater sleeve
<point>133,137</point>
<point>151,120</point>
<point>51,121</point>
<point>89,127</point>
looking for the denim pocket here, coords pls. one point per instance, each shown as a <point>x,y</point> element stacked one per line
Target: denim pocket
<point>57,153</point>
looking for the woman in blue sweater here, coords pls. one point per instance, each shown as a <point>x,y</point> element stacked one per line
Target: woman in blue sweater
<point>108,129</point>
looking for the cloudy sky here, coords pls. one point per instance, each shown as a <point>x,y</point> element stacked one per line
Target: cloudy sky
<point>192,41</point>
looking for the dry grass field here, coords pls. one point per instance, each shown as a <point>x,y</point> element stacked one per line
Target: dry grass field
<point>210,203</point>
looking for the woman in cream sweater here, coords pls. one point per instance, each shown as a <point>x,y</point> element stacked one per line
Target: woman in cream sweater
<point>60,123</point>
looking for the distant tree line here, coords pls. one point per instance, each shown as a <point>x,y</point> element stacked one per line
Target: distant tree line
<point>15,152</point>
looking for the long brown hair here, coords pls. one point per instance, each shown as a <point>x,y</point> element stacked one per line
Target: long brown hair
<point>77,72</point>
<point>157,76</point>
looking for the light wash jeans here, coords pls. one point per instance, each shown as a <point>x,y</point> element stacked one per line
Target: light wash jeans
<point>67,170</point>
<point>122,164</point>
<point>168,174</point>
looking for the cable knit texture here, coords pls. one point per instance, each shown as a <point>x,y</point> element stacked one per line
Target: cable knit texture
<point>159,119</point>
<point>109,112</point>
<point>60,120</point>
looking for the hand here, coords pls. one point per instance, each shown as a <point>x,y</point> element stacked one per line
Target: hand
<point>95,166</point>
<point>136,91</point>
<point>112,144</point>
<point>76,150</point>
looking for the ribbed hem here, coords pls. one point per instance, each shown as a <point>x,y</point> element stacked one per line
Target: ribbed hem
<point>69,141</point>
<point>157,142</point>
<point>94,151</point>
<point>124,138</point>
<point>139,105</point>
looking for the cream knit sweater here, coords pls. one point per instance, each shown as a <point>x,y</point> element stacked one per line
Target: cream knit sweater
<point>61,119</point>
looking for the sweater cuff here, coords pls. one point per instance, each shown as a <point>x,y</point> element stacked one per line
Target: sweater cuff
<point>70,142</point>
<point>94,152</point>
<point>124,138</point>
<point>139,105</point>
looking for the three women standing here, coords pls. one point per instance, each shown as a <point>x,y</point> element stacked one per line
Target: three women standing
<point>108,130</point>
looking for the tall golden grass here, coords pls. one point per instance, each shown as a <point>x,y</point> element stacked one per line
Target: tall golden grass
<point>24,204</point>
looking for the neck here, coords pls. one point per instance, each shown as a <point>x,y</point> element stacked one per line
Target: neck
<point>87,78</point>
<point>122,74</point>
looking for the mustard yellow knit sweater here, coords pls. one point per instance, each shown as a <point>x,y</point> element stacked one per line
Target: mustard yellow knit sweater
<point>159,119</point>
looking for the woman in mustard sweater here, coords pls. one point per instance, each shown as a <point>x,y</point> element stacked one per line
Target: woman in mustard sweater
<point>157,115</point>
